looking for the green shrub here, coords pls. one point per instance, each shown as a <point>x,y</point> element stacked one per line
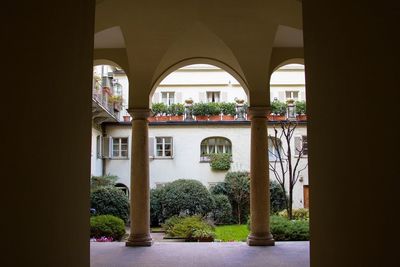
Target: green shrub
<point>278,107</point>
<point>228,108</point>
<point>191,228</point>
<point>110,201</point>
<point>238,190</point>
<point>102,181</point>
<point>213,109</point>
<point>277,196</point>
<point>107,226</point>
<point>222,212</point>
<point>156,206</point>
<point>283,229</point>
<point>298,214</point>
<point>219,188</point>
<point>220,161</point>
<point>176,109</point>
<point>186,197</point>
<point>301,107</point>
<point>159,109</point>
<point>200,109</point>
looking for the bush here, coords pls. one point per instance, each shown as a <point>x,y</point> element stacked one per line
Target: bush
<point>106,226</point>
<point>301,107</point>
<point>110,201</point>
<point>186,197</point>
<point>283,229</point>
<point>222,212</point>
<point>219,188</point>
<point>102,181</point>
<point>228,108</point>
<point>159,109</point>
<point>213,109</point>
<point>297,214</point>
<point>156,206</point>
<point>238,191</point>
<point>220,161</point>
<point>176,109</point>
<point>200,109</point>
<point>277,196</point>
<point>278,107</point>
<point>192,228</point>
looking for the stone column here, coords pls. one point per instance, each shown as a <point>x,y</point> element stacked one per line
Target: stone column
<point>259,180</point>
<point>140,191</point>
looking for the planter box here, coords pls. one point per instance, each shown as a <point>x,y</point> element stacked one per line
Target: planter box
<point>150,119</point>
<point>201,118</point>
<point>228,117</point>
<point>176,118</point>
<point>215,118</point>
<point>279,118</point>
<point>301,117</point>
<point>162,118</point>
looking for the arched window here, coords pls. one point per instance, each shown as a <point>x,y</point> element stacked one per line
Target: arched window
<point>275,148</point>
<point>123,188</point>
<point>213,145</point>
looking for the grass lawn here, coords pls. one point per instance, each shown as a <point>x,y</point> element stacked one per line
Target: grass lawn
<point>234,232</point>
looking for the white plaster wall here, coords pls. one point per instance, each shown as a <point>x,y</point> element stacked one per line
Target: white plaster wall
<point>96,164</point>
<point>186,160</point>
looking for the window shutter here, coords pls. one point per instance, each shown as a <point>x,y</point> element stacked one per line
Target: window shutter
<point>297,144</point>
<point>151,147</point>
<point>106,151</point>
<point>178,97</point>
<point>224,96</point>
<point>302,95</point>
<point>281,96</point>
<point>202,97</point>
<point>156,98</point>
<point>99,146</point>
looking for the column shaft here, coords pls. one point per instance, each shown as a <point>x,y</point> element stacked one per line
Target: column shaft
<point>259,180</point>
<point>140,191</point>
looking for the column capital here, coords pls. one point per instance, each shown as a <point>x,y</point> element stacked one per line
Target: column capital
<point>259,112</point>
<point>139,113</point>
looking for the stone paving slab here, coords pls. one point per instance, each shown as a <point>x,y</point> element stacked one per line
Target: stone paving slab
<point>214,254</point>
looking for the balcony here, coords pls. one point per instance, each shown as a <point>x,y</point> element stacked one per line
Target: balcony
<point>105,106</point>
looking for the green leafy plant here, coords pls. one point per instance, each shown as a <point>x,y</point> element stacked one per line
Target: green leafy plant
<point>228,108</point>
<point>159,109</point>
<point>213,109</point>
<point>176,109</point>
<point>297,214</point>
<point>238,190</point>
<point>301,107</point>
<point>107,226</point>
<point>191,228</point>
<point>102,181</point>
<point>222,212</point>
<point>278,107</point>
<point>277,196</point>
<point>200,109</point>
<point>220,161</point>
<point>186,197</point>
<point>110,201</point>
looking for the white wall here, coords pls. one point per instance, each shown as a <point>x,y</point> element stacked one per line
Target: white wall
<point>96,163</point>
<point>186,164</point>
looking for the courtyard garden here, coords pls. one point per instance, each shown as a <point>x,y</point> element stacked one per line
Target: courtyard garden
<point>186,210</point>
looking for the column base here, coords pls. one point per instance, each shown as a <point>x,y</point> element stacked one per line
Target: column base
<point>266,240</point>
<point>139,241</point>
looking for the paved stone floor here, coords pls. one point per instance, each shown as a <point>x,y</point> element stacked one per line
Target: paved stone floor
<point>216,254</point>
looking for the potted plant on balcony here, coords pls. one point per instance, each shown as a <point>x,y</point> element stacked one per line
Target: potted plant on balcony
<point>228,111</point>
<point>200,110</point>
<point>117,102</point>
<point>214,111</point>
<point>175,112</point>
<point>278,109</point>
<point>301,109</point>
<point>159,111</point>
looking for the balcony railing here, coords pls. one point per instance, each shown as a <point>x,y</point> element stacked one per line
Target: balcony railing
<point>103,97</point>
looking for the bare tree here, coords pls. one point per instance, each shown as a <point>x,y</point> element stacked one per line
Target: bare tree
<point>286,167</point>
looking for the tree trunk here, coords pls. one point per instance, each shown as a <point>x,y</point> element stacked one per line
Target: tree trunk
<point>239,215</point>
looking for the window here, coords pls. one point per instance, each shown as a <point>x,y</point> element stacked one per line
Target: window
<point>274,146</point>
<point>214,145</point>
<point>99,145</point>
<point>168,98</point>
<point>120,147</point>
<point>164,147</point>
<point>213,97</point>
<point>292,95</point>
<point>301,145</point>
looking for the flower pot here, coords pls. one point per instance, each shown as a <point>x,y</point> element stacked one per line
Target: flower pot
<point>201,118</point>
<point>127,118</point>
<point>150,119</point>
<point>302,117</point>
<point>162,118</point>
<point>228,117</point>
<point>271,117</point>
<point>215,118</point>
<point>279,117</point>
<point>176,118</point>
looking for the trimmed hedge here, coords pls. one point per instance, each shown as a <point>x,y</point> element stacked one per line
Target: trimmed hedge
<point>297,214</point>
<point>110,201</point>
<point>107,226</point>
<point>222,212</point>
<point>191,228</point>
